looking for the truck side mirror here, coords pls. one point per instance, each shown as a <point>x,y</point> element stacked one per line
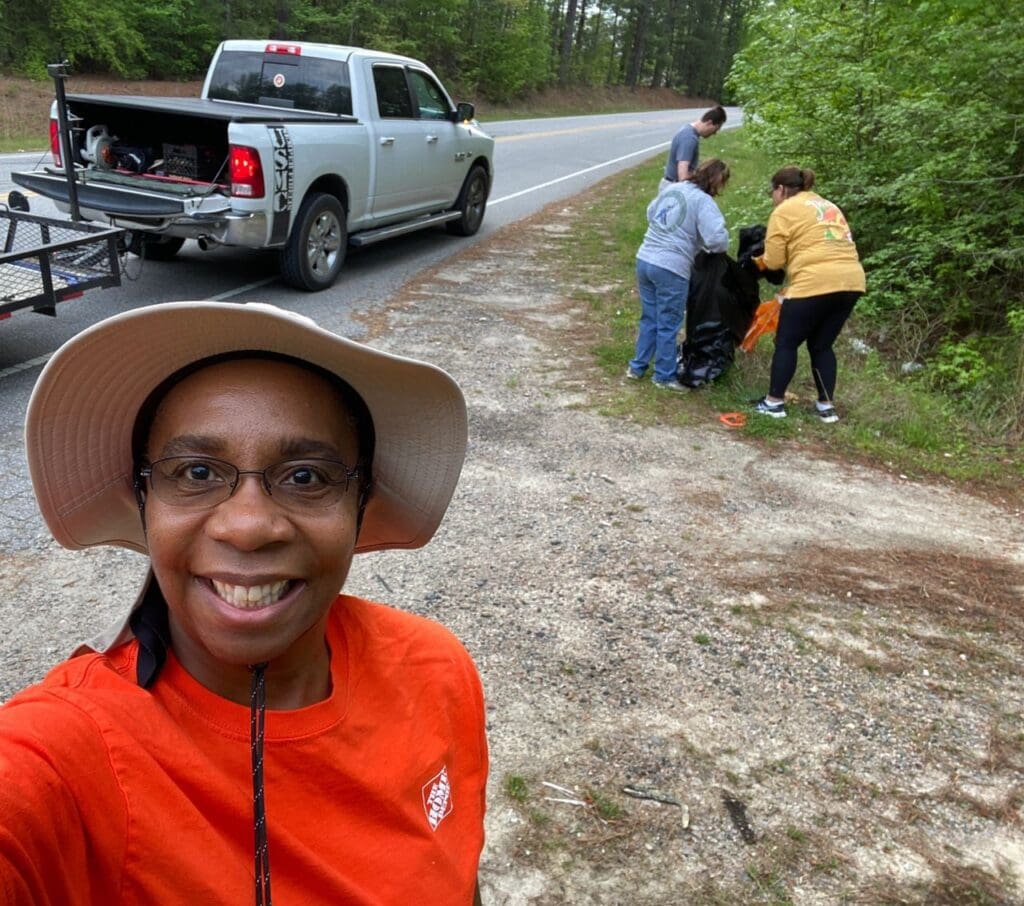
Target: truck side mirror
<point>463,112</point>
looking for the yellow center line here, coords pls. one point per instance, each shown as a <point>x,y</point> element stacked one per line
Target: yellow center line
<point>629,124</point>
<point>24,192</point>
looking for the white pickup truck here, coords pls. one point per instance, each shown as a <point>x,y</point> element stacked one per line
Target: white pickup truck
<point>306,148</point>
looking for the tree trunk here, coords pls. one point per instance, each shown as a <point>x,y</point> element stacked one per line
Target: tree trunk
<point>565,57</point>
<point>663,60</point>
<point>613,54</point>
<point>639,44</point>
<point>282,19</point>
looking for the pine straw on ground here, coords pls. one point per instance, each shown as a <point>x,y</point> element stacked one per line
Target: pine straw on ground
<point>962,592</point>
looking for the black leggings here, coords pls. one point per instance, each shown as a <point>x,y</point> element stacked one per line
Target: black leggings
<point>817,321</point>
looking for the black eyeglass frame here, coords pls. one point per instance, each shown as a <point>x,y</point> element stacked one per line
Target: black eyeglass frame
<point>144,473</point>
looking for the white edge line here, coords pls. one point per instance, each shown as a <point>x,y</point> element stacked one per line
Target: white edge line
<point>220,297</point>
<point>606,163</point>
<point>24,366</point>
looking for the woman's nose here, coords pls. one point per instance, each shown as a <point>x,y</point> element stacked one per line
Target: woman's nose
<point>250,518</point>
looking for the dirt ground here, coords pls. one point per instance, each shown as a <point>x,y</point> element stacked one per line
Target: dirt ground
<point>716,673</point>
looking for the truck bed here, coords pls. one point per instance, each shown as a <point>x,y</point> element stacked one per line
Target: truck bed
<point>189,135</point>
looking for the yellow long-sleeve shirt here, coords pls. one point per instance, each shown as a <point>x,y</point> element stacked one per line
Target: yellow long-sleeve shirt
<point>810,238</point>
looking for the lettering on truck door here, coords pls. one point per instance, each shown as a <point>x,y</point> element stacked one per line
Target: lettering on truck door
<point>282,183</point>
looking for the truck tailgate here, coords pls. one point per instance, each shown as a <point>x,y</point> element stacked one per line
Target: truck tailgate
<point>120,200</point>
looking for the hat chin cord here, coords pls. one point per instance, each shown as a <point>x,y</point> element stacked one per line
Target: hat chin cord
<point>257,721</point>
<point>257,716</point>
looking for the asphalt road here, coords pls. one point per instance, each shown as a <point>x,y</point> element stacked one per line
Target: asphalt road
<point>536,162</point>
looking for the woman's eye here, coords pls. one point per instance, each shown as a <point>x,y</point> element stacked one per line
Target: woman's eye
<point>193,471</point>
<point>303,476</point>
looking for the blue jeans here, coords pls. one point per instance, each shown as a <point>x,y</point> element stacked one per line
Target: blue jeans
<point>662,312</point>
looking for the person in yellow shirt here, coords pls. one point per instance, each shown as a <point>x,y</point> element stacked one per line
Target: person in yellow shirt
<point>808,236</point>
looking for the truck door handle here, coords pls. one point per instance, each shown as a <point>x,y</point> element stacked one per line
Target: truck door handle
<point>387,139</point>
<point>431,139</point>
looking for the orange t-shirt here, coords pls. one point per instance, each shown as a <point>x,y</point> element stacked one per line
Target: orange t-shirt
<point>111,793</point>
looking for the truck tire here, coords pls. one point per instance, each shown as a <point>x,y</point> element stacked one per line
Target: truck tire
<point>471,204</point>
<point>152,246</point>
<point>315,251</point>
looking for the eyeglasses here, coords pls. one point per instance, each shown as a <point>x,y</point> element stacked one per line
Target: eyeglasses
<point>201,482</point>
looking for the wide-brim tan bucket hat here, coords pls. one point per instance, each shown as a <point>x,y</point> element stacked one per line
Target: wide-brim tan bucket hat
<point>78,429</point>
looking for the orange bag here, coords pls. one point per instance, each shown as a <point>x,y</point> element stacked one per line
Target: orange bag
<point>766,320</point>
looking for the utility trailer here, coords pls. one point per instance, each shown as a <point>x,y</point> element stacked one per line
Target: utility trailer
<point>44,261</point>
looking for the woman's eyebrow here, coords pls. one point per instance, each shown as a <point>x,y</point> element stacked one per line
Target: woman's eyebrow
<point>193,443</point>
<point>208,445</point>
<point>307,446</point>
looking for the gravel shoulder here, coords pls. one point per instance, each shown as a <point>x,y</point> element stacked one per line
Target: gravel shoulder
<point>808,673</point>
<point>831,648</point>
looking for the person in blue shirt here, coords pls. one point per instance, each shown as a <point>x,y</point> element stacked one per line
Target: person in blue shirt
<point>684,152</point>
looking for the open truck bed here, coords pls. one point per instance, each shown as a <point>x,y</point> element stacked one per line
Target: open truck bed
<point>44,261</point>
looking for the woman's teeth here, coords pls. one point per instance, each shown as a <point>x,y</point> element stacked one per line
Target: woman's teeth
<point>250,596</point>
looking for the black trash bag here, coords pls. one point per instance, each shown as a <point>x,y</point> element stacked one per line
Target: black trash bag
<point>721,304</point>
<point>706,355</point>
<point>751,245</point>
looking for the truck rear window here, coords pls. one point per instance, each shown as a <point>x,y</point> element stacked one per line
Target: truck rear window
<point>303,83</point>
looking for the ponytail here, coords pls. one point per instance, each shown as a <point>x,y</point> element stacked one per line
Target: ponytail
<point>794,179</point>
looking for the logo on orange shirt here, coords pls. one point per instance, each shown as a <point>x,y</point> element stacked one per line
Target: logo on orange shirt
<point>437,798</point>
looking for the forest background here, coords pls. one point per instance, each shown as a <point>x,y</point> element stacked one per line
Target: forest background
<point>910,111</point>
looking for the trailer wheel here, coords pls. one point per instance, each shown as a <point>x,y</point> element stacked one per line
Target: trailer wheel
<point>315,251</point>
<point>471,204</point>
<point>152,246</point>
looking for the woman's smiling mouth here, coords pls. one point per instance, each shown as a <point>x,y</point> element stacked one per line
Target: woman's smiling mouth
<point>251,597</point>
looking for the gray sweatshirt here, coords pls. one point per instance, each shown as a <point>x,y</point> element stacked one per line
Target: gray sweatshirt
<point>681,221</point>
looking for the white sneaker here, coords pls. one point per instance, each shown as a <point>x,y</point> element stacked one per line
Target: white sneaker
<point>674,386</point>
<point>775,410</point>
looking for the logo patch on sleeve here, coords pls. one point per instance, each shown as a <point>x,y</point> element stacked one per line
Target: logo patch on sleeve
<point>437,798</point>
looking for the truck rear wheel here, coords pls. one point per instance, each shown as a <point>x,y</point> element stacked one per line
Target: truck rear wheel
<point>152,246</point>
<point>471,204</point>
<point>315,251</point>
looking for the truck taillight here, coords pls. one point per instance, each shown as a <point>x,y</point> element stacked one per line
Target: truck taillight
<point>246,172</point>
<point>55,142</point>
<point>291,49</point>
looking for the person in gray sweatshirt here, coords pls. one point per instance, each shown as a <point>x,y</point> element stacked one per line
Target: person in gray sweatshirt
<point>682,220</point>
